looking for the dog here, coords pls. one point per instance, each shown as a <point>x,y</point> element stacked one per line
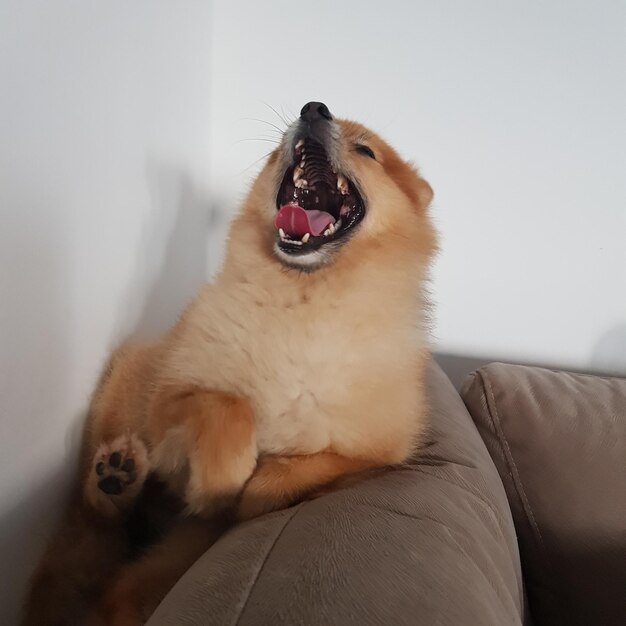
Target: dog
<point>301,363</point>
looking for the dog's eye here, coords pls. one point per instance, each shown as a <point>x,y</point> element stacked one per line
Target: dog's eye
<point>365,151</point>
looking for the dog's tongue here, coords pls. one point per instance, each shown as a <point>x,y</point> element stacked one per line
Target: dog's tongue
<point>296,221</point>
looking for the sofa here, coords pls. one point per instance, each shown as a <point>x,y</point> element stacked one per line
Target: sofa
<point>513,512</point>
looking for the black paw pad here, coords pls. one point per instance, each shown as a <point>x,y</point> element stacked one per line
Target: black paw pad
<point>115,459</point>
<point>111,485</point>
<point>115,471</point>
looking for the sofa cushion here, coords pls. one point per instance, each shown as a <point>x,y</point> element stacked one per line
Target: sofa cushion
<point>429,543</point>
<point>559,443</point>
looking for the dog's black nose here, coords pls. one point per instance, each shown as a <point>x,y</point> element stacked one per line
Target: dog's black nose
<point>315,111</point>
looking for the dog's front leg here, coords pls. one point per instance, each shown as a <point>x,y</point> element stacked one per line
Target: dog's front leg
<point>214,433</point>
<point>281,481</point>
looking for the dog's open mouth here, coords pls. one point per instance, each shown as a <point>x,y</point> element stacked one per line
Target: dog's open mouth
<point>316,204</point>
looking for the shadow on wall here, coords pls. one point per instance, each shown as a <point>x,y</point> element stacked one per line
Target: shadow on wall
<point>170,267</point>
<point>171,264</point>
<point>609,353</point>
<point>608,359</point>
<point>23,532</point>
<point>35,278</point>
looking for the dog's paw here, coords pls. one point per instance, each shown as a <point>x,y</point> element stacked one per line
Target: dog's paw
<point>119,469</point>
<point>116,469</point>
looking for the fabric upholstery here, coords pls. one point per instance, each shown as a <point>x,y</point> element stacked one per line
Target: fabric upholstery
<point>559,443</point>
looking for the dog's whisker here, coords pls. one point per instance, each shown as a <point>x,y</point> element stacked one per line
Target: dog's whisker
<point>255,162</point>
<point>291,118</point>
<point>255,119</point>
<point>275,141</point>
<point>284,121</point>
<point>272,134</point>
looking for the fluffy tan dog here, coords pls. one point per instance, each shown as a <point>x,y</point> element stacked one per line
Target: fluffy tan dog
<point>302,362</point>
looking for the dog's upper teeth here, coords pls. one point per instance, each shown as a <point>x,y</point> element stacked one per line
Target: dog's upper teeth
<point>300,144</point>
<point>297,172</point>
<point>301,183</point>
<point>342,185</point>
<point>305,237</point>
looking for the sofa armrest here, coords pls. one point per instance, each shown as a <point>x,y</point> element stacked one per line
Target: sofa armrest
<point>429,543</point>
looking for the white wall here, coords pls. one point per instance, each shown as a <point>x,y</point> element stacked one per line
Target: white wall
<point>516,112</point>
<point>104,119</point>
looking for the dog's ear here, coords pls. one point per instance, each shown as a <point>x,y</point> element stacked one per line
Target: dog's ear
<point>412,184</point>
<point>424,192</point>
<point>408,178</point>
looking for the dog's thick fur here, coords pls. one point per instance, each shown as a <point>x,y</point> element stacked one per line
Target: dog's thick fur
<point>274,383</point>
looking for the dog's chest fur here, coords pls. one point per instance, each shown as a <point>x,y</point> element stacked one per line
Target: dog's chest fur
<point>321,372</point>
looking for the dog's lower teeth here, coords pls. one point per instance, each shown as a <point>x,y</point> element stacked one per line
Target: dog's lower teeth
<point>288,238</point>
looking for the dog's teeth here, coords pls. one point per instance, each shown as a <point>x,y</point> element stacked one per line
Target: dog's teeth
<point>281,232</point>
<point>302,162</point>
<point>297,172</point>
<point>305,237</point>
<point>327,232</point>
<point>301,183</point>
<point>300,144</point>
<point>342,184</point>
<point>337,224</point>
